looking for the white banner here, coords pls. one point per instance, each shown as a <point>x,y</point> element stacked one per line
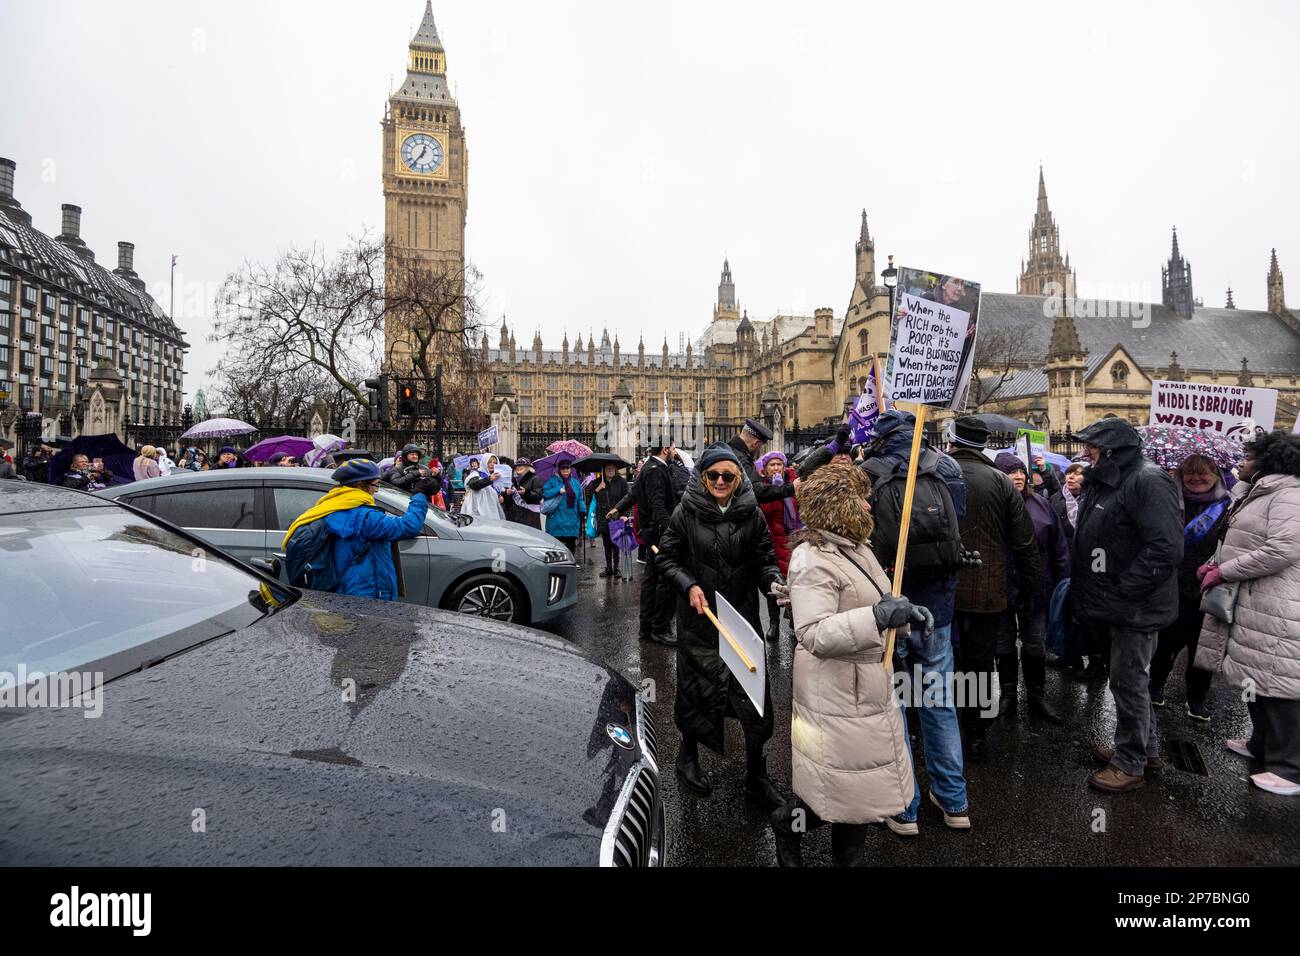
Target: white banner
<point>1233,411</point>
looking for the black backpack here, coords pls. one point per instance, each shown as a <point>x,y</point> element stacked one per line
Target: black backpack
<point>309,558</point>
<point>933,537</point>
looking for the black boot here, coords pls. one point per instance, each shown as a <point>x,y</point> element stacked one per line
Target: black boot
<point>849,844</point>
<point>773,620</point>
<point>1008,677</point>
<point>758,784</point>
<point>788,840</point>
<point>689,770</point>
<point>1036,683</point>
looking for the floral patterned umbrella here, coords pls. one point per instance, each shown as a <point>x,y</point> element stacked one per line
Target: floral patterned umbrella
<point>569,447</point>
<point>1170,445</point>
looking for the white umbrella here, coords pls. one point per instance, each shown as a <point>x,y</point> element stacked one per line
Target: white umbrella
<point>325,445</point>
<point>219,428</point>
<point>687,460</point>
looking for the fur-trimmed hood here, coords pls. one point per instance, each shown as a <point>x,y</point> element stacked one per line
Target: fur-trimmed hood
<point>831,500</point>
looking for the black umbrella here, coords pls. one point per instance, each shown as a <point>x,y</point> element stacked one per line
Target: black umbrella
<point>1001,424</point>
<point>6,443</point>
<point>348,454</point>
<point>598,460</point>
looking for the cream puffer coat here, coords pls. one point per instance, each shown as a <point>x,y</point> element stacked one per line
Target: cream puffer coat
<point>1261,549</point>
<point>850,760</point>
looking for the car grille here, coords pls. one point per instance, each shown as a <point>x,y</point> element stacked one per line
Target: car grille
<point>635,833</point>
<point>641,822</point>
<point>645,730</point>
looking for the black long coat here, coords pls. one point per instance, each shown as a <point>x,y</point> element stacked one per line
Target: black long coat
<point>530,493</point>
<point>730,552</point>
<point>1128,541</point>
<point>613,493</point>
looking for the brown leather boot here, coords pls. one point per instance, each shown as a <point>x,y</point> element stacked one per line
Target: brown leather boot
<point>1106,754</point>
<point>1114,780</point>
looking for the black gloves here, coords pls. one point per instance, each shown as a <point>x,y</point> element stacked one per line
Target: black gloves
<point>423,487</point>
<point>894,612</point>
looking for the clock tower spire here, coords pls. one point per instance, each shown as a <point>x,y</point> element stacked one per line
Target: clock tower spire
<point>425,166</point>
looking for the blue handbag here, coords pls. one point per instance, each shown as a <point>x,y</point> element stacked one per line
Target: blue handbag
<point>1057,624</point>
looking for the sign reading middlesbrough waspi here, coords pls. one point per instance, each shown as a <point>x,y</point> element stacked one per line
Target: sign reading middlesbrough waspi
<point>1233,411</point>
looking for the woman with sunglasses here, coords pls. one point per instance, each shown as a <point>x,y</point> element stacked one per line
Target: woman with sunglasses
<point>717,542</point>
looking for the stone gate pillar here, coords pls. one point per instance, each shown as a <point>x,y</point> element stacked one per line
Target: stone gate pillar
<point>770,413</point>
<point>505,416</point>
<point>105,395</point>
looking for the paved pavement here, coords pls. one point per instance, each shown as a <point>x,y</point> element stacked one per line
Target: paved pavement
<point>1030,804</point>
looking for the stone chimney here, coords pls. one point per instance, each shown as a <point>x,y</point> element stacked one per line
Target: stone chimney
<point>126,264</point>
<point>71,223</point>
<point>8,204</point>
<point>71,234</point>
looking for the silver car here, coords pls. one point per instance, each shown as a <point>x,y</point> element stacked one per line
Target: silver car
<point>493,569</point>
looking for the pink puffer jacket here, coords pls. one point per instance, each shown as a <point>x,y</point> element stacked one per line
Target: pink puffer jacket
<point>1260,650</point>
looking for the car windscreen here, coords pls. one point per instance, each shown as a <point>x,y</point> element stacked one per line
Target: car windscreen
<point>105,586</point>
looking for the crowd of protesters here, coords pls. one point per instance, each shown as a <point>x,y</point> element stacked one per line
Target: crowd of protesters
<point>1010,567</point>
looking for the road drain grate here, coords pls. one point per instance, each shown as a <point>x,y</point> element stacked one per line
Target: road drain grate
<point>1186,757</point>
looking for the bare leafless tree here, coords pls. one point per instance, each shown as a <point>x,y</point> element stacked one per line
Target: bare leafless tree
<point>302,328</point>
<point>432,317</point>
<point>1000,353</point>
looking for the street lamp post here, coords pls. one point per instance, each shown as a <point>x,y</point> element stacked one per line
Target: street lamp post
<point>890,276</point>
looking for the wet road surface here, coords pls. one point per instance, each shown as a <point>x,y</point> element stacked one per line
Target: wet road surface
<point>1030,804</point>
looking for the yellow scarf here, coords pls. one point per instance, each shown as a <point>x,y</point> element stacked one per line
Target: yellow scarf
<point>342,498</point>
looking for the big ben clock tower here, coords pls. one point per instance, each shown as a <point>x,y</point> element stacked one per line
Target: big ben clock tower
<point>426,165</point>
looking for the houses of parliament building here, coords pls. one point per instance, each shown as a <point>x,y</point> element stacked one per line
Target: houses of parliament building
<point>1080,359</point>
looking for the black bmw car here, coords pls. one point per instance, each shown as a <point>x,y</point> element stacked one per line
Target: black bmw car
<point>161,703</point>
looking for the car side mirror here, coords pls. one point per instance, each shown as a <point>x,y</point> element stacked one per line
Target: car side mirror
<point>271,567</point>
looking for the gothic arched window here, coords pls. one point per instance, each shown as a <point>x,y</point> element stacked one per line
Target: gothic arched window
<point>862,342</point>
<point>1119,374</point>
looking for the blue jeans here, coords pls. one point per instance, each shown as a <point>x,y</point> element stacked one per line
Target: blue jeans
<point>939,727</point>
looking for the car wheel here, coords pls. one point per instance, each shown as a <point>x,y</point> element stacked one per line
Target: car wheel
<point>487,595</point>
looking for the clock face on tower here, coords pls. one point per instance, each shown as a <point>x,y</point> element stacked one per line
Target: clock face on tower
<point>422,153</point>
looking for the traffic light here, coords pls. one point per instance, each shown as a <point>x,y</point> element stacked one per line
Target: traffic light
<point>407,400</point>
<point>378,399</point>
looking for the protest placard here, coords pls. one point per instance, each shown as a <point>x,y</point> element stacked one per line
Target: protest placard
<point>745,654</point>
<point>1233,411</point>
<point>935,322</point>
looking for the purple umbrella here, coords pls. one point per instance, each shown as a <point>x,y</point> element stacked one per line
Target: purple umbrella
<point>545,467</point>
<point>218,428</point>
<point>268,448</point>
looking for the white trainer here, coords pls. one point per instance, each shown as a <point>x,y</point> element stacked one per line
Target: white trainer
<point>957,821</point>
<point>1238,746</point>
<point>1275,784</point>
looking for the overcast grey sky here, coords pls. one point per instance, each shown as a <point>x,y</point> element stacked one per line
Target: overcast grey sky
<point>619,151</point>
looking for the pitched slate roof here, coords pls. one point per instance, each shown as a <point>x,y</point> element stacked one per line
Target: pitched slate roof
<point>29,249</point>
<point>1210,339</point>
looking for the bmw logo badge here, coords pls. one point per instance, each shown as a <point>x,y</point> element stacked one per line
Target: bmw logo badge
<point>619,735</point>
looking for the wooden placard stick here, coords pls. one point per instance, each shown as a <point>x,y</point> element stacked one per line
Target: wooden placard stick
<point>744,658</point>
<point>905,519</point>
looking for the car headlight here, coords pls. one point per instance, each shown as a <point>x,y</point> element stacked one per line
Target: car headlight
<point>549,555</point>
